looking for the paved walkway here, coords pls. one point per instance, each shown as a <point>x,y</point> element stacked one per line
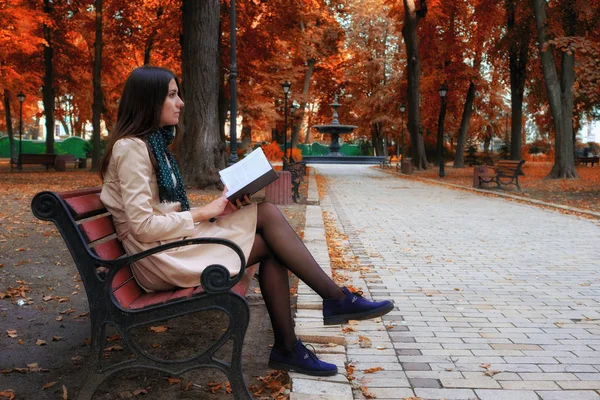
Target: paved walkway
<point>494,299</point>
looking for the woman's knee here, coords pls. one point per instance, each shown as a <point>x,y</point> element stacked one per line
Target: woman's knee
<point>268,212</point>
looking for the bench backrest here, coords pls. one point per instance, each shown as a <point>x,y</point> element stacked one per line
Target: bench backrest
<point>89,225</point>
<point>510,167</point>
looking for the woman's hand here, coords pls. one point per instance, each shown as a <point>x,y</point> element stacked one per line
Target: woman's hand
<point>232,207</point>
<point>211,210</point>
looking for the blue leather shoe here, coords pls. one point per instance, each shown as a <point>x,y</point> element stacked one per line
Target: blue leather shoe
<point>353,306</point>
<point>301,360</point>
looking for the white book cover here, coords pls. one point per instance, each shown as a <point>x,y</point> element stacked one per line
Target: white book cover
<point>248,175</point>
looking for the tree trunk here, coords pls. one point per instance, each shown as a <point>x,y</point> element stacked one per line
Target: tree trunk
<point>201,149</point>
<point>246,137</point>
<point>9,127</point>
<point>409,32</point>
<point>459,157</point>
<point>300,112</point>
<point>376,138</point>
<point>519,56</point>
<point>47,89</point>
<point>65,126</point>
<point>96,81</point>
<point>308,136</point>
<point>560,95</point>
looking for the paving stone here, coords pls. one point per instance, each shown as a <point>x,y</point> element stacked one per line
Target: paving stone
<point>410,366</point>
<point>309,386</point>
<point>506,394</point>
<point>304,396</point>
<point>391,393</point>
<point>483,382</point>
<point>530,385</point>
<point>574,394</point>
<point>448,394</point>
<point>426,383</point>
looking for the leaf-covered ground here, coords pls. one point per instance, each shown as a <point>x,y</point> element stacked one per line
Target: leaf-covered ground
<point>44,312</point>
<point>581,193</point>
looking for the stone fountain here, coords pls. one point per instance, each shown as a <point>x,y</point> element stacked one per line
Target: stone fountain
<point>335,129</point>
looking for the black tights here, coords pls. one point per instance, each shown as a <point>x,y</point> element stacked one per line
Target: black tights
<point>278,249</point>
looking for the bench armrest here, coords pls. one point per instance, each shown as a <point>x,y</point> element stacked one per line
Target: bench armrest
<point>215,278</point>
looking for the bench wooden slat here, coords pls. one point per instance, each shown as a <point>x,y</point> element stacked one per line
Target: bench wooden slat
<point>85,206</point>
<point>98,228</point>
<point>181,293</point>
<point>129,292</point>
<point>150,299</point>
<point>110,250</point>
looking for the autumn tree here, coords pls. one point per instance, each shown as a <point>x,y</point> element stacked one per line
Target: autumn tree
<point>412,16</point>
<point>202,153</point>
<point>559,87</point>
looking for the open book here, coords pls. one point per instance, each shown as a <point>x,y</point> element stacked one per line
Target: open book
<point>248,176</point>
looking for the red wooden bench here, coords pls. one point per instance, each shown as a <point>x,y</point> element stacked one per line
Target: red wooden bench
<point>115,298</point>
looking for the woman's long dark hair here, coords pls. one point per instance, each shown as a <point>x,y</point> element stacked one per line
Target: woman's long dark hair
<point>140,107</point>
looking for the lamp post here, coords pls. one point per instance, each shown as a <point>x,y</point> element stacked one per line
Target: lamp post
<point>233,157</point>
<point>506,143</point>
<point>21,98</point>
<point>402,109</point>
<point>286,89</point>
<point>443,91</point>
<point>293,109</point>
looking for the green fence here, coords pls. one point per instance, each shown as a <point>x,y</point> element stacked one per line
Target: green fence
<point>318,149</point>
<point>72,145</point>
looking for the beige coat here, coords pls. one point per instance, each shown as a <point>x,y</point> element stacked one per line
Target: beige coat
<point>130,193</point>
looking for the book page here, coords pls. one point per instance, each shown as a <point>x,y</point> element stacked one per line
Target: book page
<point>240,174</point>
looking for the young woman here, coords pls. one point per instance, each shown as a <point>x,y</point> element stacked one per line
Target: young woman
<point>144,192</point>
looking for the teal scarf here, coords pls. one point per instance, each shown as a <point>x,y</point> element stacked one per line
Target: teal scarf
<point>167,190</point>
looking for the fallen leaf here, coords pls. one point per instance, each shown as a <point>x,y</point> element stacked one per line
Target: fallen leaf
<point>486,365</point>
<point>364,342</point>
<point>47,298</point>
<point>59,318</point>
<point>491,372</point>
<point>65,395</point>
<point>20,341</point>
<point>12,333</point>
<point>373,370</point>
<point>159,329</point>
<point>9,394</point>
<point>114,348</point>
<point>173,381</point>
<point>137,392</point>
<point>348,329</point>
<point>49,385</point>
<point>366,393</point>
<point>56,338</point>
<point>40,342</point>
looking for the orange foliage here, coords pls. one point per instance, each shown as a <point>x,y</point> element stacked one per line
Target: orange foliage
<point>272,151</point>
<point>296,154</point>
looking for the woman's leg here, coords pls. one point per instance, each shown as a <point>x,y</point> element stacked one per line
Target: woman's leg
<point>285,245</point>
<point>274,286</point>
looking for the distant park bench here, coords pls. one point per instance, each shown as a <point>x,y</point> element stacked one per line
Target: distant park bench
<point>505,173</point>
<point>298,171</point>
<point>585,160</point>
<point>387,162</point>
<point>36,159</point>
<point>115,298</point>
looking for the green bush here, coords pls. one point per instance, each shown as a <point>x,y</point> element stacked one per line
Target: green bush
<point>88,147</point>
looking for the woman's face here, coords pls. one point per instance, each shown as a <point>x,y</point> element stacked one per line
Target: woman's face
<point>172,106</point>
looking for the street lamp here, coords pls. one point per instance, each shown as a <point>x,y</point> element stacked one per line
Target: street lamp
<point>506,143</point>
<point>286,90</point>
<point>402,109</point>
<point>233,157</point>
<point>443,91</point>
<point>21,98</point>
<point>293,109</point>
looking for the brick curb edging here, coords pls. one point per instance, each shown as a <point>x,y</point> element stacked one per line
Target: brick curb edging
<point>329,341</point>
<point>498,194</point>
